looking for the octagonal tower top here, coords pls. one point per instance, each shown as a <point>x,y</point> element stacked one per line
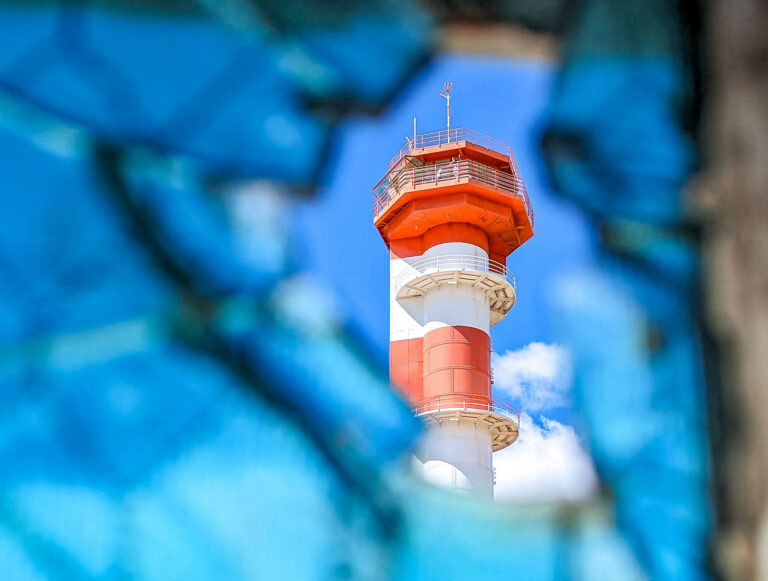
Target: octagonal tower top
<point>457,178</point>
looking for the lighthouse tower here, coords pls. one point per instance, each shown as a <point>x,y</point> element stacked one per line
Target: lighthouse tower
<point>450,209</point>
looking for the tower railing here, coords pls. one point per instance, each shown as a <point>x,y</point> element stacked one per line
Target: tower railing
<point>397,181</point>
<point>464,402</point>
<point>454,262</point>
<point>447,137</point>
<point>437,138</point>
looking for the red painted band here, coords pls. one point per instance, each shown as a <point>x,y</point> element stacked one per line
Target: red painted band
<point>457,360</point>
<point>447,360</point>
<point>440,234</point>
<point>406,367</point>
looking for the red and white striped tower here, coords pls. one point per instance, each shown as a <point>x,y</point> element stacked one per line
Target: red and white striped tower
<point>450,209</point>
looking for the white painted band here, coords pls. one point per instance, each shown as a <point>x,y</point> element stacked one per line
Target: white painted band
<point>450,305</point>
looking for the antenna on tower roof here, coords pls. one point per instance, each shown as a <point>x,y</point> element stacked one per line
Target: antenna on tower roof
<point>446,94</point>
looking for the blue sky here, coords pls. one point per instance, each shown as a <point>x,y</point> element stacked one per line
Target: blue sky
<point>503,98</point>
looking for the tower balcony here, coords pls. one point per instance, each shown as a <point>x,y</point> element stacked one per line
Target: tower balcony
<point>425,144</point>
<point>502,420</point>
<point>405,179</point>
<point>483,274</point>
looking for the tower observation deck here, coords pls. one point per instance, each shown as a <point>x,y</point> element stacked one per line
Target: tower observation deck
<point>451,208</point>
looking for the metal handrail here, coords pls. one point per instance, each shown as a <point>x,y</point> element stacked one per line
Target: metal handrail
<point>453,262</point>
<point>462,402</point>
<point>438,138</point>
<point>455,135</point>
<point>395,182</point>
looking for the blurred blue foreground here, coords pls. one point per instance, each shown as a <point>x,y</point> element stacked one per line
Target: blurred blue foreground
<point>175,402</point>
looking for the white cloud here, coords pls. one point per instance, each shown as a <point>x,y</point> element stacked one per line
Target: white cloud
<point>547,462</point>
<point>538,375</point>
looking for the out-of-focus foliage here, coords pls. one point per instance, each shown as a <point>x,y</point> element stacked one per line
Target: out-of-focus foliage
<point>174,401</point>
<point>164,414</point>
<point>620,145</point>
